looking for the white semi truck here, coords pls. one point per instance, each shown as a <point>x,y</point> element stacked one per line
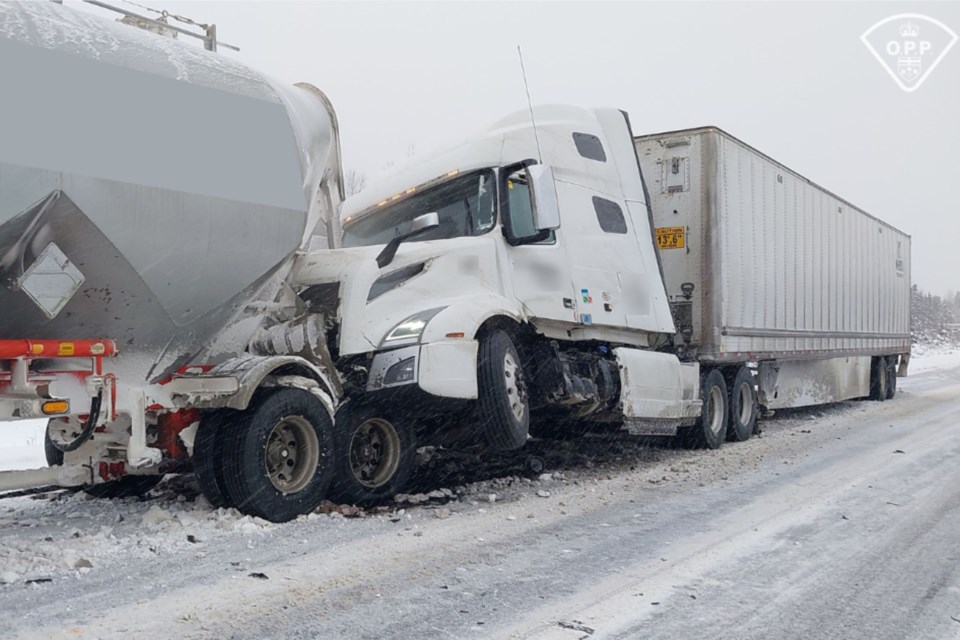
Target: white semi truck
<point>555,276</point>
<point>176,300</point>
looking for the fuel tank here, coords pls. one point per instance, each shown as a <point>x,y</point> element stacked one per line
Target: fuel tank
<point>149,189</point>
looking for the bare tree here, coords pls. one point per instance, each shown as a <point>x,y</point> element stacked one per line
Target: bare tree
<point>354,181</point>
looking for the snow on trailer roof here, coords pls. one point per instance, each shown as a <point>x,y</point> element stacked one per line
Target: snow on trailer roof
<point>713,128</point>
<point>52,26</point>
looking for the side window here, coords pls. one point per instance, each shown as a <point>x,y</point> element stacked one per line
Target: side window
<point>609,215</point>
<point>589,146</point>
<point>520,205</point>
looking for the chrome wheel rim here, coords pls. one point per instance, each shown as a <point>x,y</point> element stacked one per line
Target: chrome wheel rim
<point>716,409</point>
<point>515,387</point>
<point>374,453</point>
<point>746,403</point>
<point>292,454</point>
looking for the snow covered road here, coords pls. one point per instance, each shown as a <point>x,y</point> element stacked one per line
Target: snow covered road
<point>838,522</point>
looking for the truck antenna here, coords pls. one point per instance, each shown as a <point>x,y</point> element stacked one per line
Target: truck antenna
<point>526,86</point>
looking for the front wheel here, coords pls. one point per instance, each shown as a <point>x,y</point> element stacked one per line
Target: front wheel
<point>502,387</point>
<point>375,456</point>
<point>711,427</point>
<point>277,461</point>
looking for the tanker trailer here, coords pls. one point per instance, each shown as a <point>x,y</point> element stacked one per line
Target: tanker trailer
<point>153,196</point>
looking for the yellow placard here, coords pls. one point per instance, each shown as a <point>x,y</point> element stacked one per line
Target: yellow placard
<point>671,237</point>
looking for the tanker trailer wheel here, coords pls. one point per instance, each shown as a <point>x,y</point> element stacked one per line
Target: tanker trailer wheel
<point>878,379</point>
<point>125,487</point>
<point>711,427</point>
<point>208,455</point>
<point>743,406</point>
<point>375,456</point>
<point>277,461</point>
<point>503,404</point>
<point>891,377</point>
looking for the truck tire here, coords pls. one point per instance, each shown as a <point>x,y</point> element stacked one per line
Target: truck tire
<point>743,406</point>
<point>711,428</point>
<point>53,455</point>
<point>278,459</point>
<point>878,379</point>
<point>208,456</point>
<point>503,404</point>
<point>375,456</point>
<point>891,376</point>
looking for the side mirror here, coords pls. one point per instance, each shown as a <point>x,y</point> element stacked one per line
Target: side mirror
<point>424,221</point>
<point>546,211</point>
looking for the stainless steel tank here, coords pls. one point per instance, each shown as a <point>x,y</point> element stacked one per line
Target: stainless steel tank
<point>149,189</point>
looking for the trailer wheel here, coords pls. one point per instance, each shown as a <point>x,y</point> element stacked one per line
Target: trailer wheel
<point>503,403</point>
<point>208,456</point>
<point>375,456</point>
<point>891,377</point>
<point>878,379</point>
<point>743,406</point>
<point>711,427</point>
<point>50,451</point>
<point>278,462</point>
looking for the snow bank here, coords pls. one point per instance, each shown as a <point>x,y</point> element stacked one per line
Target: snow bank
<point>21,445</point>
<point>924,358</point>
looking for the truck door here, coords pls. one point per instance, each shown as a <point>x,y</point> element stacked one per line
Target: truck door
<point>540,269</point>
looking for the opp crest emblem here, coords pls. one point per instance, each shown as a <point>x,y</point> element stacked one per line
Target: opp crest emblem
<point>909,46</point>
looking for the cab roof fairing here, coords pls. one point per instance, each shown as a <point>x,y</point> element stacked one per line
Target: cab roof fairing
<point>505,142</point>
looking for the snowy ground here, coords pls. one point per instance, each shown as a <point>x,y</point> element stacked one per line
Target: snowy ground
<point>837,522</point>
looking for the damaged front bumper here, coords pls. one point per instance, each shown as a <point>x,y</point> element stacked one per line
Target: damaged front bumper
<point>447,369</point>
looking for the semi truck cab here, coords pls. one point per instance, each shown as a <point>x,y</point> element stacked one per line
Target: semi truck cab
<point>514,273</point>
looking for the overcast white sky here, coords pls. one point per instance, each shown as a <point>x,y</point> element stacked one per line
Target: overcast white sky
<point>792,79</point>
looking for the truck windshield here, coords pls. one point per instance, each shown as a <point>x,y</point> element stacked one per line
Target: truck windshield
<point>465,205</point>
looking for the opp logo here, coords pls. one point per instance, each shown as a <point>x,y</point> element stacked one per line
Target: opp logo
<point>909,46</point>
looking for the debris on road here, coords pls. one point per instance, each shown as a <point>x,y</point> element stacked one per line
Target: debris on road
<point>576,625</point>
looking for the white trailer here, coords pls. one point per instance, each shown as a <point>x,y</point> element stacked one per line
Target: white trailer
<point>762,265</point>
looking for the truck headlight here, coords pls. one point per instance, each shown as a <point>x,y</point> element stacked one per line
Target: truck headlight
<point>410,330</point>
<point>403,371</point>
